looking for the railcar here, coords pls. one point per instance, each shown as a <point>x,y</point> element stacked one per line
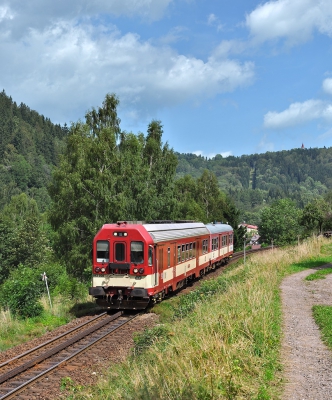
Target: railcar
<point>135,264</point>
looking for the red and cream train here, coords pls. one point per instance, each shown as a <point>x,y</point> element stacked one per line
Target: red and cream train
<point>135,264</point>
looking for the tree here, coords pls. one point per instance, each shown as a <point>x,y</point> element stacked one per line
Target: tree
<point>187,207</point>
<point>314,214</point>
<point>107,175</point>
<point>211,199</point>
<point>23,239</point>
<point>280,222</point>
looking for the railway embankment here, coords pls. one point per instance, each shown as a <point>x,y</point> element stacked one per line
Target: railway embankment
<point>221,341</point>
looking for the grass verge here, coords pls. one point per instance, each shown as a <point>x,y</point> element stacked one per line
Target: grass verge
<point>323,318</point>
<point>219,342</point>
<point>14,331</point>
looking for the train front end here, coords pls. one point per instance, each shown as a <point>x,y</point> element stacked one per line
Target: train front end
<point>123,269</point>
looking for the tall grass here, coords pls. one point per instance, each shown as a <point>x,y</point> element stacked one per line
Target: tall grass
<point>14,331</point>
<point>226,347</point>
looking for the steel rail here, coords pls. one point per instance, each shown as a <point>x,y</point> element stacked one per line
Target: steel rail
<point>47,355</point>
<point>50,341</point>
<point>21,387</point>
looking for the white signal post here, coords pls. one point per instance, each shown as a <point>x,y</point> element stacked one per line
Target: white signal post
<point>44,278</point>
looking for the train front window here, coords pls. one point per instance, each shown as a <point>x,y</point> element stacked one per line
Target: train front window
<point>103,251</point>
<point>120,252</point>
<point>136,252</point>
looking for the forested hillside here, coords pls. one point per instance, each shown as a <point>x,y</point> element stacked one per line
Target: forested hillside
<point>257,180</point>
<point>30,145</point>
<point>58,186</point>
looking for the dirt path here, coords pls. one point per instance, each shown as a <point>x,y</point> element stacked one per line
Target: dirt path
<point>307,361</point>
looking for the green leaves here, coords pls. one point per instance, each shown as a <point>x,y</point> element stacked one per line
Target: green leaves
<point>107,175</point>
<point>280,223</point>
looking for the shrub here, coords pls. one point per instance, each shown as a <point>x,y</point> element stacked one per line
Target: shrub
<point>21,291</point>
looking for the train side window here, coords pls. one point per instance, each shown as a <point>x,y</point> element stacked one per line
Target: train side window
<point>183,253</point>
<point>103,251</point>
<point>137,252</point>
<point>168,257</point>
<point>187,251</point>
<point>194,249</point>
<point>161,259</point>
<point>191,251</point>
<point>150,257</point>
<point>120,252</point>
<point>179,254</point>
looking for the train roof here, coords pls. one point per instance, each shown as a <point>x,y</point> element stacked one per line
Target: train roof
<point>219,228</point>
<point>172,231</point>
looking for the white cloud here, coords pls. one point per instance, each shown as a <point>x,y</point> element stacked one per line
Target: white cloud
<point>214,21</point>
<point>230,47</point>
<point>67,67</point>
<point>327,85</point>
<point>21,16</point>
<point>298,113</point>
<point>174,35</point>
<point>265,145</point>
<point>293,20</point>
<point>5,13</point>
<point>326,135</point>
<point>212,155</point>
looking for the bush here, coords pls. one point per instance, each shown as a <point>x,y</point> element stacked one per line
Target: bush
<point>61,283</point>
<point>21,291</point>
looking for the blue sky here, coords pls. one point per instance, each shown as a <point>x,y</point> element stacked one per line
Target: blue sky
<point>227,78</point>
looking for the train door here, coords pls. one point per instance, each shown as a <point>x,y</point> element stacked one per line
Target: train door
<point>119,252</point>
<point>153,262</point>
<point>161,264</point>
<point>120,264</point>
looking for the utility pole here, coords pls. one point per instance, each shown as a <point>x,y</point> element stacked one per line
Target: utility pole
<point>44,278</point>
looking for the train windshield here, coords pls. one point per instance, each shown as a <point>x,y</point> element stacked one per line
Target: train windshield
<point>137,252</point>
<point>103,251</point>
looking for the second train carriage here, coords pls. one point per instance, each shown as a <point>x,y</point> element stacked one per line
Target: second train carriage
<point>135,264</point>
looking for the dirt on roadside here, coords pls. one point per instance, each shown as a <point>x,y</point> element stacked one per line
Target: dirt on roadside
<point>307,361</point>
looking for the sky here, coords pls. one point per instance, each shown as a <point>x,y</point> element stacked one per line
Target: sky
<point>230,78</point>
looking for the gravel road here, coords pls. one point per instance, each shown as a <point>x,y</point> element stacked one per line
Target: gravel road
<point>307,361</point>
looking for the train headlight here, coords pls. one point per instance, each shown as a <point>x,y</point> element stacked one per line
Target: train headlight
<point>103,269</point>
<point>97,269</point>
<point>135,270</point>
<point>141,270</point>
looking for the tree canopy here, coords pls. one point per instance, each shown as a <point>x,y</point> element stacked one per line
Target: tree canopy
<point>107,175</point>
<point>280,223</point>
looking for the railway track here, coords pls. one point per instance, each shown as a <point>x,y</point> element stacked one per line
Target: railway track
<point>240,254</point>
<point>23,370</point>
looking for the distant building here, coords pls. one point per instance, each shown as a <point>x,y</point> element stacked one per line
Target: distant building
<point>251,229</point>
<point>302,147</point>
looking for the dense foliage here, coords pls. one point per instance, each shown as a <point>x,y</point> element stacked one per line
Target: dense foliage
<point>30,145</point>
<point>59,185</point>
<point>257,180</point>
<point>107,175</point>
